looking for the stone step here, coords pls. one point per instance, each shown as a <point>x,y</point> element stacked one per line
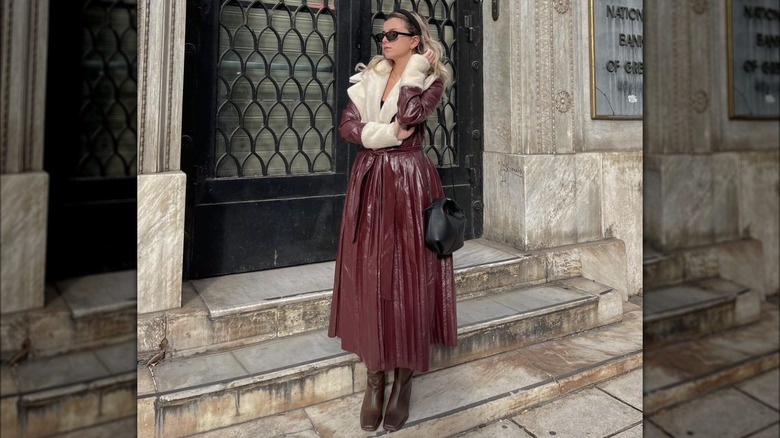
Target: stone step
<point>80,314</point>
<point>448,401</point>
<point>685,370</point>
<point>197,393</point>
<point>234,310</point>
<point>69,392</point>
<point>696,308</point>
<point>741,261</point>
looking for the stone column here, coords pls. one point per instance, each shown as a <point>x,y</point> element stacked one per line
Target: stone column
<point>24,184</point>
<point>554,176</point>
<point>161,183</point>
<point>709,179</point>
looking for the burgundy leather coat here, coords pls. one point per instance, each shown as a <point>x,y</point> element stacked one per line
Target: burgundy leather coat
<point>392,296</point>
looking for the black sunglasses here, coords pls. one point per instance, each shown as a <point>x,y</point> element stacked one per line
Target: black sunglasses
<point>391,35</point>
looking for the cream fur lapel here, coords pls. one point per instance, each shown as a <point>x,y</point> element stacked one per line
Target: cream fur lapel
<point>366,93</point>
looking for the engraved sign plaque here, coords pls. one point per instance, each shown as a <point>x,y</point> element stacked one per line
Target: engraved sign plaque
<point>753,28</point>
<point>616,66</point>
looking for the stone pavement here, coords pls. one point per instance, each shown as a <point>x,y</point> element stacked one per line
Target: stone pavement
<point>750,408</point>
<point>608,409</point>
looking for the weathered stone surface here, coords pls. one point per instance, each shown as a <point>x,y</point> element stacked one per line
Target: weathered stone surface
<point>99,293</point>
<point>51,328</point>
<point>626,388</point>
<point>499,429</point>
<point>253,326</point>
<point>118,402</point>
<point>563,264</point>
<point>60,371</point>
<point>288,424</point>
<point>231,294</point>
<point>605,262</point>
<point>764,388</point>
<point>550,201</point>
<point>145,382</point>
<point>687,201</point>
<point>303,317</point>
<point>743,262</point>
<point>622,210</point>
<point>479,280</point>
<point>145,417</point>
<point>122,428</point>
<point>769,432</point>
<point>634,432</point>
<point>725,196</point>
<point>292,394</point>
<point>723,413</point>
<point>498,135</point>
<point>24,205</point>
<point>569,416</point>
<point>760,209</point>
<point>591,187</point>
<point>150,332</point>
<point>297,371</point>
<point>102,327</point>
<point>505,199</point>
<point>678,372</point>
<point>60,414</point>
<point>693,309</point>
<point>650,430</point>
<point>459,398</point>
<point>700,263</point>
<point>188,329</point>
<point>14,328</point>
<point>196,371</point>
<point>160,240</point>
<point>662,270</point>
<point>9,416</point>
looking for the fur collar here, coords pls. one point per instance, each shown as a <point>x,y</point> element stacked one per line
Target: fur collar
<point>366,93</point>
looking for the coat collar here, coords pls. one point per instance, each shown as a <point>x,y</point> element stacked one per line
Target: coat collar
<point>366,93</point>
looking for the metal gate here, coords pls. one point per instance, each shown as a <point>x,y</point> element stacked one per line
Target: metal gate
<point>265,83</point>
<point>91,92</point>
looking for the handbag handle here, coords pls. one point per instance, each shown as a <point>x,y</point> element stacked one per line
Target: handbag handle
<point>424,125</point>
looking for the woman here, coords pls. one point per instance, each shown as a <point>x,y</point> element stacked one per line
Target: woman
<point>392,297</point>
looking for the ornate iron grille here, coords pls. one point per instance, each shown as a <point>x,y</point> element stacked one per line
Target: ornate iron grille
<point>108,110</point>
<point>442,125</point>
<point>275,112</point>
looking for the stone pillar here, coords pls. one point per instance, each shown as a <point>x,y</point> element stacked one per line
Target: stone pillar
<point>161,183</point>
<point>709,179</point>
<point>553,175</point>
<point>25,186</point>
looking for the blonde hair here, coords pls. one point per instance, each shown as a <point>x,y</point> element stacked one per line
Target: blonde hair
<point>426,42</point>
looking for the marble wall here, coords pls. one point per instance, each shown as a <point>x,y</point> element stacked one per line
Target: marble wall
<point>161,185</point>
<point>160,240</point>
<point>23,206</point>
<point>708,178</point>
<point>25,187</point>
<point>553,175</point>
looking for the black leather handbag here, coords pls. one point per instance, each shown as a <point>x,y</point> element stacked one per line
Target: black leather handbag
<point>445,226</point>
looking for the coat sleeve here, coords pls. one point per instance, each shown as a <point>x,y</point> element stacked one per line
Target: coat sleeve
<point>350,126</point>
<point>371,135</point>
<point>414,103</point>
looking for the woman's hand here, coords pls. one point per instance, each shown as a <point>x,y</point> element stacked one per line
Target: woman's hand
<point>431,57</point>
<point>402,132</point>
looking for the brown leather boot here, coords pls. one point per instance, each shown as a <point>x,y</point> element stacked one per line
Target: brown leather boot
<point>398,405</point>
<point>371,412</point>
